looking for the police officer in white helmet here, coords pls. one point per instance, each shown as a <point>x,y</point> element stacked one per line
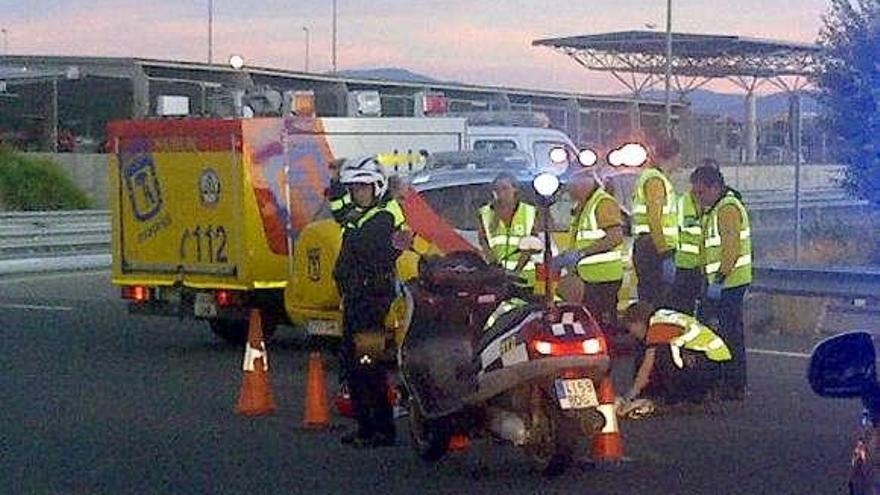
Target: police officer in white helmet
<point>365,276</point>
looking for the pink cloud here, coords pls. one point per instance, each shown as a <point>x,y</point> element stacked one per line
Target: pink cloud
<point>463,47</point>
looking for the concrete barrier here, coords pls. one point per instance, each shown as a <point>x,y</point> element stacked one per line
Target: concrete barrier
<point>757,177</point>
<point>88,170</point>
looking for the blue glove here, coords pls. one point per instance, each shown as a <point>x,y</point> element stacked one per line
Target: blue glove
<point>566,259</point>
<point>668,270</point>
<point>713,292</point>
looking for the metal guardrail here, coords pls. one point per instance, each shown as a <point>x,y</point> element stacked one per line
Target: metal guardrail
<point>53,233</point>
<point>820,281</point>
<point>37,234</point>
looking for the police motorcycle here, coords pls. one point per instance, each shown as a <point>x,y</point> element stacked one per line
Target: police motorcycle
<point>529,378</point>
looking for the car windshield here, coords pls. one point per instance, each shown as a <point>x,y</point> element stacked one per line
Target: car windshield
<point>543,149</point>
<point>458,204</point>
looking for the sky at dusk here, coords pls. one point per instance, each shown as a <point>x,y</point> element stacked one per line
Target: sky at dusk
<point>486,42</point>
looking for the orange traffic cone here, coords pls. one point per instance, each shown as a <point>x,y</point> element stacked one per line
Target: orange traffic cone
<point>317,416</point>
<point>607,444</point>
<point>255,398</point>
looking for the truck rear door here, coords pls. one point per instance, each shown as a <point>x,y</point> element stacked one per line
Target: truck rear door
<point>179,203</point>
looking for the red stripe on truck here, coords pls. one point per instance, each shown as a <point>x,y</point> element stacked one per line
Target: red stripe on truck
<point>175,136</point>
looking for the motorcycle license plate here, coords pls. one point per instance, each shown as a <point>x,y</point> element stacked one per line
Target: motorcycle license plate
<point>578,393</point>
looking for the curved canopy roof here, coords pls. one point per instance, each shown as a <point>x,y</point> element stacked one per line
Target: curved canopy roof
<point>693,55</point>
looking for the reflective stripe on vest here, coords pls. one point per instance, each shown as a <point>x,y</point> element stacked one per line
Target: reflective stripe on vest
<point>690,235</point>
<point>392,207</point>
<point>504,241</point>
<point>669,217</point>
<point>599,267</point>
<point>695,337</point>
<point>502,309</point>
<point>339,203</point>
<point>742,270</point>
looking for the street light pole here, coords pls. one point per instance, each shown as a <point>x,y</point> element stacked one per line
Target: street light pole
<point>5,41</point>
<point>334,36</point>
<point>668,96</point>
<point>210,31</point>
<point>306,29</point>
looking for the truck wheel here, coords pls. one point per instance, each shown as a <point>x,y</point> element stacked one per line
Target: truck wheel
<point>231,331</point>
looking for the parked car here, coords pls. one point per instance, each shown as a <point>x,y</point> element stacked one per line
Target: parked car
<point>845,366</point>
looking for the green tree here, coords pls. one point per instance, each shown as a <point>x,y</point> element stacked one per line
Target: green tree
<point>849,88</point>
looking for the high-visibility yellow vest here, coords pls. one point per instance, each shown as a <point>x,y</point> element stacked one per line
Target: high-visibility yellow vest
<point>694,337</point>
<point>690,233</point>
<point>742,271</point>
<point>504,240</point>
<point>391,206</point>
<point>669,218</point>
<point>585,231</point>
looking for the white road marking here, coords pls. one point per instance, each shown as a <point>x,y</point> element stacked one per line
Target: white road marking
<point>769,352</point>
<point>35,307</point>
<point>14,279</point>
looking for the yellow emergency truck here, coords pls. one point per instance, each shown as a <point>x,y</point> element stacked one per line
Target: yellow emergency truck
<point>207,213</point>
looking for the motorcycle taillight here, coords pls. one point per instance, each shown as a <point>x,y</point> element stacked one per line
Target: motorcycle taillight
<point>590,347</point>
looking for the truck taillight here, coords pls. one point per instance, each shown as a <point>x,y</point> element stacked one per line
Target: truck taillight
<point>227,298</point>
<point>137,293</point>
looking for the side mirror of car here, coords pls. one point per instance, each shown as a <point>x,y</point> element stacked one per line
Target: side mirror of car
<point>844,366</point>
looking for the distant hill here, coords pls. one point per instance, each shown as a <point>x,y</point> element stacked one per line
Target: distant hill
<point>388,74</point>
<point>733,105</point>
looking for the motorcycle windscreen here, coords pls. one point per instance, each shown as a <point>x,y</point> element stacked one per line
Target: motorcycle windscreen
<point>437,359</point>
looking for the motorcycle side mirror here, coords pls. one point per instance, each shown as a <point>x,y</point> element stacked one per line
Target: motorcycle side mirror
<point>843,366</point>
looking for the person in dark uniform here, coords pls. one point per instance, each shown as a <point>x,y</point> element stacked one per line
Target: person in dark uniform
<point>366,277</point>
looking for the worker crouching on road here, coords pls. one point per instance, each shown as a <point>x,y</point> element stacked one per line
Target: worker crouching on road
<point>679,361</point>
<point>366,278</point>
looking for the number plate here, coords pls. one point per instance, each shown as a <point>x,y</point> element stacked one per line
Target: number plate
<point>576,394</point>
<point>323,327</point>
<point>205,306</point>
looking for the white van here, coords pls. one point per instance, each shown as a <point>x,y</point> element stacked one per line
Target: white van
<point>534,141</point>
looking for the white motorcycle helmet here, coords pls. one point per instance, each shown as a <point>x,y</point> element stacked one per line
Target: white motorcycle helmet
<point>364,170</point>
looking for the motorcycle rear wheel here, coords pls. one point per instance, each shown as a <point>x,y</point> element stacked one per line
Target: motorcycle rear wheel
<point>549,450</point>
